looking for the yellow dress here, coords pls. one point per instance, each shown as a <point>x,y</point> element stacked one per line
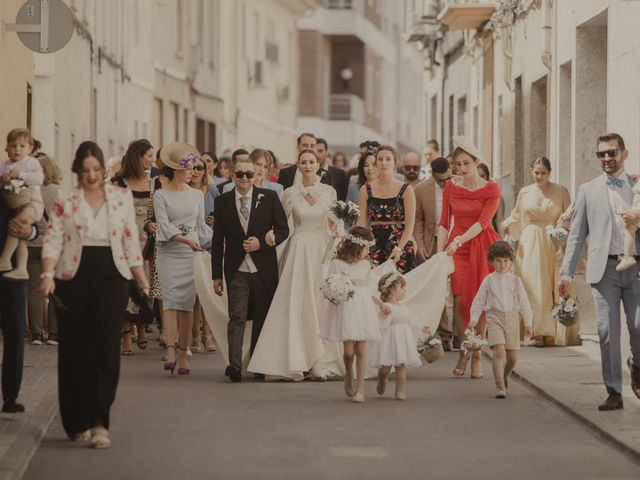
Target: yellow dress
<point>537,257</point>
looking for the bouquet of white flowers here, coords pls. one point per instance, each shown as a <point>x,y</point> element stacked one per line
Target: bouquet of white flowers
<point>474,341</point>
<point>430,347</point>
<point>557,235</point>
<point>16,194</point>
<point>338,288</point>
<point>566,311</point>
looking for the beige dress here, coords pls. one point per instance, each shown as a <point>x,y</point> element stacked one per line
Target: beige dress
<point>537,260</point>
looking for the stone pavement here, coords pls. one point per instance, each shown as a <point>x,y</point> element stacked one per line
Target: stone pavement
<point>569,377</point>
<point>21,434</point>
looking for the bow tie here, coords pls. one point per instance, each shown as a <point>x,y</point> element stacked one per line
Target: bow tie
<point>615,182</point>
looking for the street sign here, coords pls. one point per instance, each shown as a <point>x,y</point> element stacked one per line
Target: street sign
<point>44,26</point>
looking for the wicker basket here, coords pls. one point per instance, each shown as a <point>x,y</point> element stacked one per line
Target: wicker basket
<point>432,354</point>
<point>16,200</point>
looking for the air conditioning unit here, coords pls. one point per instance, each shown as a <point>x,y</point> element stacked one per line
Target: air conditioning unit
<point>272,52</point>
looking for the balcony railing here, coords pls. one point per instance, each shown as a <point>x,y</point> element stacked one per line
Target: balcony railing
<point>346,107</point>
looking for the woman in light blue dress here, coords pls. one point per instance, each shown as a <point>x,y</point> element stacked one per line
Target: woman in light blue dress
<point>181,229</point>
<point>262,160</point>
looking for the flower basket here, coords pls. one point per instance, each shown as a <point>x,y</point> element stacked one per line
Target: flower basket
<point>433,353</point>
<point>474,342</point>
<point>15,200</point>
<point>430,347</point>
<point>566,311</point>
<point>558,235</point>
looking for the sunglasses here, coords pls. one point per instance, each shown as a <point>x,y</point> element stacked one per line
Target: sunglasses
<point>199,168</point>
<point>242,174</point>
<point>613,153</point>
<point>412,168</point>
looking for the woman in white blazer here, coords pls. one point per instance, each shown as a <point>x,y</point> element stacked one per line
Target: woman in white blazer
<point>92,250</point>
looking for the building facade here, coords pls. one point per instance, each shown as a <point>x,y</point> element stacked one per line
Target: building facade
<point>359,80</point>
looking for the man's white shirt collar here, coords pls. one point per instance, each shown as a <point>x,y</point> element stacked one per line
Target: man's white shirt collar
<point>239,195</point>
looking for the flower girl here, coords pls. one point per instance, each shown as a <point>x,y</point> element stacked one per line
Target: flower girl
<point>397,347</point>
<point>351,317</point>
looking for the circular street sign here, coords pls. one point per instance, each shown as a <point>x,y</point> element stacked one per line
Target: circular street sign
<point>55,21</point>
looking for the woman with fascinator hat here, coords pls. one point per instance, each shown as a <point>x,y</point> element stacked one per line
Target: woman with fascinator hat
<point>181,229</point>
<point>289,345</point>
<point>469,205</point>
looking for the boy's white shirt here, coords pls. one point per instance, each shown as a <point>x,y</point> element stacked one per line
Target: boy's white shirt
<point>502,292</point>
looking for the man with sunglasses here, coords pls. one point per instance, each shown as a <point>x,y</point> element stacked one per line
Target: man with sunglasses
<point>249,223</point>
<point>428,212</point>
<point>411,168</point>
<point>594,218</point>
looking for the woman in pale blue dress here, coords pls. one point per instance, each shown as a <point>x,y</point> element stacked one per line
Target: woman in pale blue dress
<point>181,229</point>
<point>262,160</point>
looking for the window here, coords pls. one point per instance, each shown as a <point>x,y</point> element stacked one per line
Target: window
<point>179,32</point>
<point>462,115</point>
<point>175,119</point>
<point>158,121</point>
<point>185,126</point>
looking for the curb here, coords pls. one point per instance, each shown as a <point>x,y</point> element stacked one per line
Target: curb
<point>17,457</point>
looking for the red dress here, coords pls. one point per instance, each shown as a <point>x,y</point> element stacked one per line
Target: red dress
<point>471,264</point>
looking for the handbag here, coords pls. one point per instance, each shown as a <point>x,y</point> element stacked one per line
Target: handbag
<point>141,299</point>
<point>149,247</point>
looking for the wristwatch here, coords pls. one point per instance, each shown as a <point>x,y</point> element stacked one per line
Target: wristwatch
<point>44,275</point>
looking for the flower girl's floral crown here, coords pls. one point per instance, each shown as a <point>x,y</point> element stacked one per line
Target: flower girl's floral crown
<point>363,242</point>
<point>395,275</point>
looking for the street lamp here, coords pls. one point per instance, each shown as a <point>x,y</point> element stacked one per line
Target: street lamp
<point>346,74</point>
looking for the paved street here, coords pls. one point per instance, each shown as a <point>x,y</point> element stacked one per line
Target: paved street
<point>187,427</point>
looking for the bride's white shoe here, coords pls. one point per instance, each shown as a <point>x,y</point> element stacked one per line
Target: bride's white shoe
<point>318,374</point>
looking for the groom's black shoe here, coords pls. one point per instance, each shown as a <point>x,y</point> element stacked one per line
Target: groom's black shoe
<point>614,402</point>
<point>11,406</point>
<point>234,374</point>
<point>259,376</point>
<point>635,377</point>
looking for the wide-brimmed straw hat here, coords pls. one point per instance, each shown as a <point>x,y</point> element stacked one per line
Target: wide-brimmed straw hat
<point>179,156</point>
<point>463,144</point>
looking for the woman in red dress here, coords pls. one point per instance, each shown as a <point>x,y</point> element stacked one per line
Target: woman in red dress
<point>470,205</point>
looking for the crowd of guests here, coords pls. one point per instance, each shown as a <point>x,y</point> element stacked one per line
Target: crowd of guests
<point>116,253</point>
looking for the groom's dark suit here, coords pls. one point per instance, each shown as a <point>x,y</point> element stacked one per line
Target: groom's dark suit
<point>250,294</point>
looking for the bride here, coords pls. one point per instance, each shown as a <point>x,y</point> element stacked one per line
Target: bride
<point>289,344</point>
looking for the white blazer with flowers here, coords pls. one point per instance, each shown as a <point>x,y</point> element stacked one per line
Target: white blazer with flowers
<point>63,241</point>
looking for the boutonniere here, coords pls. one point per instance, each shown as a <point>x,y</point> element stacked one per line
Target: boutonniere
<point>260,197</point>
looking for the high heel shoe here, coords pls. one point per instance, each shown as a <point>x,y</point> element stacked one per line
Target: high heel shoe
<point>461,366</point>
<point>170,365</point>
<point>184,370</point>
<point>127,350</point>
<point>476,366</point>
<point>209,343</point>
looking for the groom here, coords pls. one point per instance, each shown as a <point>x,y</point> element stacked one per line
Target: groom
<point>248,224</point>
<point>594,218</point>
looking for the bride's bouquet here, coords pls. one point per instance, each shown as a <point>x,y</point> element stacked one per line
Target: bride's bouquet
<point>474,341</point>
<point>345,212</point>
<point>566,311</point>
<point>557,235</point>
<point>338,288</point>
<point>430,347</point>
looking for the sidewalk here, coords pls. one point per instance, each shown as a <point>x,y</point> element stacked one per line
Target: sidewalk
<point>571,378</point>
<point>20,434</point>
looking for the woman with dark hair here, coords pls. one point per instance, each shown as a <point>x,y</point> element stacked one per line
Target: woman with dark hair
<point>180,231</point>
<point>339,160</point>
<point>498,218</point>
<point>367,172</point>
<point>468,205</point>
<point>92,250</point>
<point>134,176</point>
<point>222,173</point>
<point>539,205</point>
<point>211,162</point>
<point>390,207</point>
<point>274,169</point>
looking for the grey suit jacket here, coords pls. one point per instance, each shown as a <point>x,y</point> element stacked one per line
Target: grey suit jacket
<point>593,219</point>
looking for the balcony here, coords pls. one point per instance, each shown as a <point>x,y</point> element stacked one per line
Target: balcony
<point>346,107</point>
<point>466,14</point>
<point>357,5</point>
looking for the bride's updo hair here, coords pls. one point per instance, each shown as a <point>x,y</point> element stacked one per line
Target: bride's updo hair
<point>308,150</point>
<point>350,248</point>
<point>388,284</point>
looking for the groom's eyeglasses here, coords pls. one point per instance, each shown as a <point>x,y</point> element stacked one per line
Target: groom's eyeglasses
<point>241,174</point>
<point>613,153</point>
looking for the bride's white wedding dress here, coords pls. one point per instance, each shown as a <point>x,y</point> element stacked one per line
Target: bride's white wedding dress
<point>289,344</point>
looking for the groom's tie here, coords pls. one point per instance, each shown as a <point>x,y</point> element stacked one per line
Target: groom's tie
<point>615,182</point>
<point>244,211</point>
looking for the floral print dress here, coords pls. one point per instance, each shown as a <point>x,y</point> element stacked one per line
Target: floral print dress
<point>388,237</point>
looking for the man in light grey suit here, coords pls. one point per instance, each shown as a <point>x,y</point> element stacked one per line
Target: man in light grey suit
<point>594,218</point>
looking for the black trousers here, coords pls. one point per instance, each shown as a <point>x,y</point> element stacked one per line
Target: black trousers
<point>248,300</point>
<point>13,311</point>
<point>89,335</point>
